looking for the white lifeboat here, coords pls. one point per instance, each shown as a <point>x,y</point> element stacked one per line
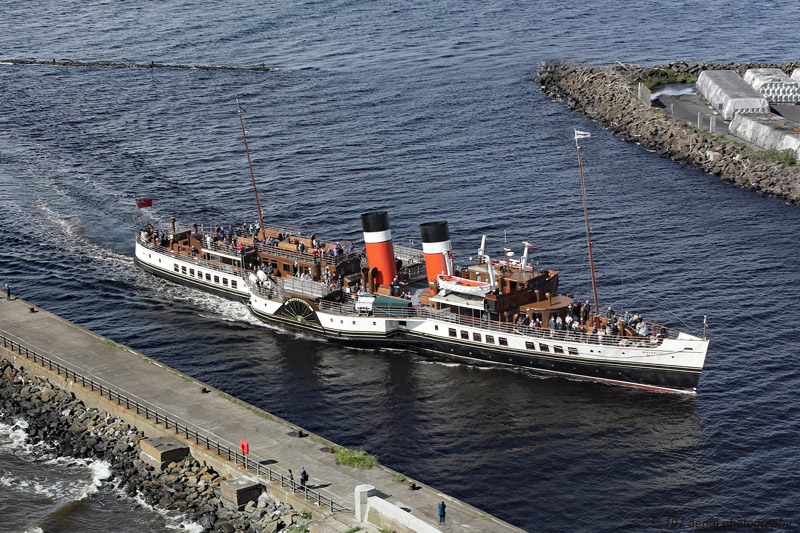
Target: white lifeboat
<point>462,285</point>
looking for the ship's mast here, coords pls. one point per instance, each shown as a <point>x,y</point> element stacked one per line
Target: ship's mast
<point>583,135</point>
<point>250,164</point>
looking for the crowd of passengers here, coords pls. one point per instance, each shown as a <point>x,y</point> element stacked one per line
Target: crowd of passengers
<point>230,237</point>
<point>576,321</point>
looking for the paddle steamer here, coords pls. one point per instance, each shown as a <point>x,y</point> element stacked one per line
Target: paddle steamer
<point>500,312</point>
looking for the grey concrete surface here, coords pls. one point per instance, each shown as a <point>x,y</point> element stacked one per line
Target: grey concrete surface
<point>226,419</point>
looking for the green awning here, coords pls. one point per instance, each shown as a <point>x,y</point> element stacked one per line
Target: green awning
<point>390,301</point>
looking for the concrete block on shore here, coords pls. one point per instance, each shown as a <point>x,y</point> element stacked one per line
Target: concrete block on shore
<point>362,493</point>
<point>237,492</point>
<point>159,452</point>
<point>774,84</point>
<point>387,515</point>
<point>730,94</point>
<point>768,131</point>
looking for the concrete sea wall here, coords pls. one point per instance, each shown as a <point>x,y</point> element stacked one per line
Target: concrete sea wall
<point>608,95</point>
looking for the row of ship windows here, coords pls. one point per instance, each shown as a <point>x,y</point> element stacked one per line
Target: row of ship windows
<point>502,341</point>
<point>182,269</point>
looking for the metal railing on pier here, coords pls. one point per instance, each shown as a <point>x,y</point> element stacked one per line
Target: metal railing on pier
<point>159,417</point>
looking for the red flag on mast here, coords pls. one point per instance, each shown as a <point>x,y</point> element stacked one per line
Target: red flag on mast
<point>147,202</point>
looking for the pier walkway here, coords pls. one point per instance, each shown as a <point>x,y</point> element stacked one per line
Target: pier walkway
<point>222,418</point>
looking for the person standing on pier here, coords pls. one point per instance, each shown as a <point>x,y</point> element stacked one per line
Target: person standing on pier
<point>442,508</point>
<point>303,476</point>
<point>8,291</point>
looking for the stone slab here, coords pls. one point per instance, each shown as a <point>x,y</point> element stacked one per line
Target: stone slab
<point>238,492</point>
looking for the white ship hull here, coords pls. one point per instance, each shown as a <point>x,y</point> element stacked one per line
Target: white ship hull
<point>221,280</point>
<point>672,364</point>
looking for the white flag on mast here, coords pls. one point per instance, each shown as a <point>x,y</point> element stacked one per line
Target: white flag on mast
<point>582,134</point>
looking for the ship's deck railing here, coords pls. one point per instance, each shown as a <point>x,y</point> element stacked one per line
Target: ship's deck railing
<point>315,289</point>
<point>416,271</point>
<point>211,228</point>
<point>307,256</point>
<point>272,250</point>
<point>194,261</point>
<point>409,253</point>
<point>423,313</point>
<point>169,420</point>
<point>276,287</point>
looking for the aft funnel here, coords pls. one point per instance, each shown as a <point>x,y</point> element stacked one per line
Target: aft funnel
<point>437,248</point>
<point>380,251</point>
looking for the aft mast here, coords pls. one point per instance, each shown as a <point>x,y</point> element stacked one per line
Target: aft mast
<point>250,164</point>
<point>585,135</point>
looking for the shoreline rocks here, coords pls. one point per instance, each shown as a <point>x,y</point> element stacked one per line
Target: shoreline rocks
<point>608,96</point>
<point>188,486</point>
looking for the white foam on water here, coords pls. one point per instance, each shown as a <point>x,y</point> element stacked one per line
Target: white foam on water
<point>78,244</point>
<point>36,529</point>
<point>13,436</point>
<point>41,486</point>
<point>207,305</point>
<point>101,470</point>
<point>14,439</point>
<point>173,519</point>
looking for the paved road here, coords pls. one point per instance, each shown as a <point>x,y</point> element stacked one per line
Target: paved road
<point>219,417</point>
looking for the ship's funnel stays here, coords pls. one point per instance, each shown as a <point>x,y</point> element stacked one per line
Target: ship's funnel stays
<point>437,249</point>
<point>380,252</point>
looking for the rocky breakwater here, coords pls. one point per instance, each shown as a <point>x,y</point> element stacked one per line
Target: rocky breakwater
<point>56,416</point>
<point>608,95</point>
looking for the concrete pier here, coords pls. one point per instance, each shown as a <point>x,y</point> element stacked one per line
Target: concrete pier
<point>117,372</point>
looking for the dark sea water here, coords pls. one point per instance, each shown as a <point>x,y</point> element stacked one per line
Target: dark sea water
<point>430,111</point>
